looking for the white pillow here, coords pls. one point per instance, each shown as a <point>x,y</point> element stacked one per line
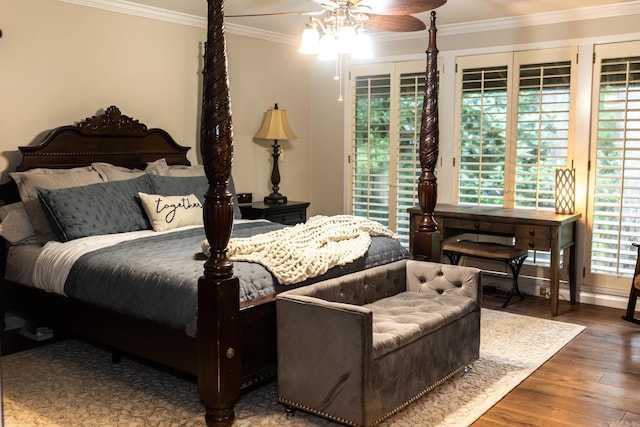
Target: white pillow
<point>15,226</point>
<point>160,167</point>
<point>168,212</point>
<point>109,172</point>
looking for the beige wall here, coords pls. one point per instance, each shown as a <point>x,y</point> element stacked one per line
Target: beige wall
<point>61,62</point>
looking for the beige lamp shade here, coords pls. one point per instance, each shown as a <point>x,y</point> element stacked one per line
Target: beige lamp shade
<point>275,126</point>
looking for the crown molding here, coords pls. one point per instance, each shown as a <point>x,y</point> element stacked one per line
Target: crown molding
<point>261,34</point>
<point>598,12</point>
<point>130,8</point>
<point>547,18</point>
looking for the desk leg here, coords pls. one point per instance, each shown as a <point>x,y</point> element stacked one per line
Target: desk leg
<point>554,280</point>
<point>572,273</point>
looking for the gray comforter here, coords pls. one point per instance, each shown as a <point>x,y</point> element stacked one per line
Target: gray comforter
<point>155,278</point>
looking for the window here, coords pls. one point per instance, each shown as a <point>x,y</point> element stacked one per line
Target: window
<point>385,126</point>
<point>515,119</point>
<point>615,161</point>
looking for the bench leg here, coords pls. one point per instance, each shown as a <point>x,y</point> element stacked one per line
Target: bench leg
<point>454,257</point>
<point>515,265</point>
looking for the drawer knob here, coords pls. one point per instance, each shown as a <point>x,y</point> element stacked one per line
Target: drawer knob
<point>476,226</point>
<point>532,245</point>
<point>532,232</point>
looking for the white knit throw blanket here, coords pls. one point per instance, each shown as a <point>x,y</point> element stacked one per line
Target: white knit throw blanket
<point>306,250</point>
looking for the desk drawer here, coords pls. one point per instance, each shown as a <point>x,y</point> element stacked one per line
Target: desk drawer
<point>533,237</point>
<point>481,227</point>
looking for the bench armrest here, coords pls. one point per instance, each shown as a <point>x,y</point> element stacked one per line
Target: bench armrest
<point>334,338</point>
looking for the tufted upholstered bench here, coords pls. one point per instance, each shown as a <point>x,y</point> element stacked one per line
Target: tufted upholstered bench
<point>358,348</point>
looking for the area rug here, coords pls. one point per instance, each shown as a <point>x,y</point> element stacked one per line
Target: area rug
<point>71,383</point>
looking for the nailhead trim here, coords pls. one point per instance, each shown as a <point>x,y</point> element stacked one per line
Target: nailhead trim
<point>384,417</point>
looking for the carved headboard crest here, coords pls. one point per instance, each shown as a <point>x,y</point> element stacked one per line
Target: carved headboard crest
<point>112,122</point>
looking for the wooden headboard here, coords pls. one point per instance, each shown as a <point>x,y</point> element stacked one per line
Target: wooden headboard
<point>110,137</point>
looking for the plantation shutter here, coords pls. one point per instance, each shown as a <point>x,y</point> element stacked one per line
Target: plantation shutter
<point>615,206</point>
<point>371,157</point>
<point>384,158</point>
<point>410,99</point>
<point>515,126</point>
<point>483,135</point>
<point>542,141</point>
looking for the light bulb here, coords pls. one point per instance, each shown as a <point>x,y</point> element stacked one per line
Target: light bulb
<point>347,39</point>
<point>327,48</point>
<point>310,41</point>
<point>362,49</point>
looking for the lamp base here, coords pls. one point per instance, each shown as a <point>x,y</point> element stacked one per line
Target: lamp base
<point>274,198</point>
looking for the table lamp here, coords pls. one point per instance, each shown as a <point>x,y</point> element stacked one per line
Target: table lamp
<point>275,126</point>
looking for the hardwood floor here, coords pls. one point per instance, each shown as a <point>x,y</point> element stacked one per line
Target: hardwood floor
<point>593,381</point>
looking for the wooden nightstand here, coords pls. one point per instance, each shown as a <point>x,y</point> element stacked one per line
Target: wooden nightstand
<point>289,213</point>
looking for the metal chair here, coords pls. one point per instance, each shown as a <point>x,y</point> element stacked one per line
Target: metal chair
<point>635,291</point>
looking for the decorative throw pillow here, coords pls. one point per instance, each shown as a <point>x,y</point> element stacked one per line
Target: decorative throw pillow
<point>198,185</point>
<point>168,212</point>
<point>96,209</point>
<point>15,226</point>
<point>29,180</point>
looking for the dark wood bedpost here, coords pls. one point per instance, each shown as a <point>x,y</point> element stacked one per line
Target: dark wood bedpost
<point>219,337</point>
<point>425,238</point>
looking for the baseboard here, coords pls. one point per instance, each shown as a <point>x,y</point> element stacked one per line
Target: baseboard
<point>588,295</point>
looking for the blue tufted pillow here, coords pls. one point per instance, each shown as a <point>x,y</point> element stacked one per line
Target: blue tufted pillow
<point>96,209</point>
<point>198,185</point>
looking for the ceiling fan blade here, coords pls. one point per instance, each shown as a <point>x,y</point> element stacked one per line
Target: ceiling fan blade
<point>302,12</point>
<point>398,7</point>
<point>397,23</point>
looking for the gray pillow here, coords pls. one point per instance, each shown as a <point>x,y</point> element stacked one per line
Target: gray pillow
<point>198,185</point>
<point>96,209</point>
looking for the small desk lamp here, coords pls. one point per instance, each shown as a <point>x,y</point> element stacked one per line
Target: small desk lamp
<point>565,190</point>
<point>275,126</point>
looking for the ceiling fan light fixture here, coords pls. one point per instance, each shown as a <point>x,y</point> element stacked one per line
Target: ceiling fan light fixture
<point>328,47</point>
<point>310,40</point>
<point>362,48</point>
<point>346,39</point>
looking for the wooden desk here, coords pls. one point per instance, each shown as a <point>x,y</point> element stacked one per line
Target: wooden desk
<point>532,229</point>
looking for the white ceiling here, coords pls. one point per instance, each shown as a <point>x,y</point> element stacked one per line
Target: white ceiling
<point>454,13</point>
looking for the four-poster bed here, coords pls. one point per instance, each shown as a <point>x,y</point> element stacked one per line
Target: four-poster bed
<point>235,344</point>
<point>218,280</point>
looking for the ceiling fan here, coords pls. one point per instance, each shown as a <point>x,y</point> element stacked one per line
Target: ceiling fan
<point>379,15</point>
<point>340,28</point>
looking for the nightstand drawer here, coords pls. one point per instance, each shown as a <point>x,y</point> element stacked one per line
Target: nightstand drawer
<point>287,218</point>
<point>289,213</point>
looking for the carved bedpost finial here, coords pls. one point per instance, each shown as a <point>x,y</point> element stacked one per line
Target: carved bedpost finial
<point>424,238</point>
<point>216,146</point>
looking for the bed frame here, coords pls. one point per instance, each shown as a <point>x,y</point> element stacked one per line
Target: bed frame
<point>235,348</point>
